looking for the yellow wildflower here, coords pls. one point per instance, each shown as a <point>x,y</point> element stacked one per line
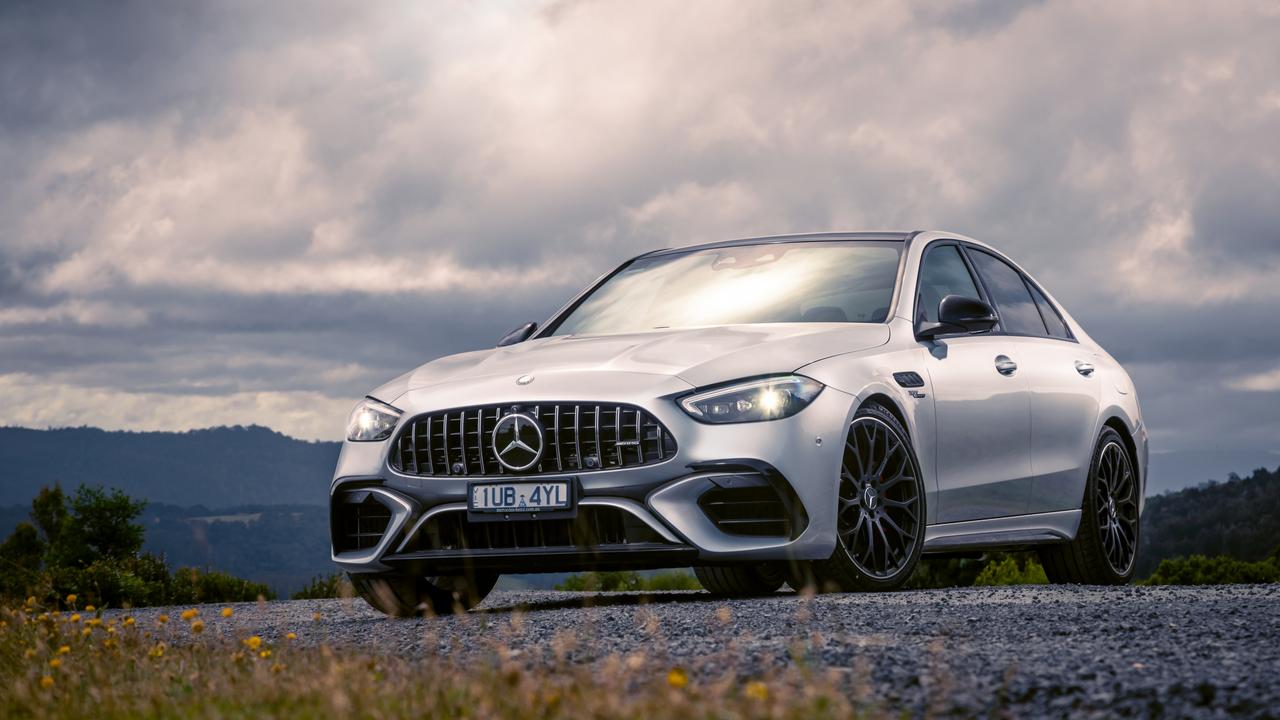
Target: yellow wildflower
<point>86,632</point>
<point>253,642</point>
<point>189,614</point>
<point>128,622</point>
<point>64,649</point>
<point>757,690</point>
<point>227,612</point>
<point>55,663</point>
<point>291,636</point>
<point>93,622</point>
<point>197,627</point>
<point>157,651</point>
<point>46,682</point>
<point>71,599</point>
<point>677,678</point>
<point>31,599</point>
<point>162,619</point>
<point>264,654</point>
<point>74,618</point>
<point>89,608</point>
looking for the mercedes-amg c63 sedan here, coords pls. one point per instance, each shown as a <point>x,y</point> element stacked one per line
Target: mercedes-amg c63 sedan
<point>816,409</point>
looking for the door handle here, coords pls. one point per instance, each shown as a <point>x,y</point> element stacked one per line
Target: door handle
<point>1084,368</point>
<point>1005,366</point>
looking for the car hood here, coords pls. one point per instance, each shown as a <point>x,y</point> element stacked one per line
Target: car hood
<point>698,356</point>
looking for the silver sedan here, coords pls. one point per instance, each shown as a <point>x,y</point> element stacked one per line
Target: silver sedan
<point>814,409</point>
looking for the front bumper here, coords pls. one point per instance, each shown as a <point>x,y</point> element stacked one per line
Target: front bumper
<point>672,513</point>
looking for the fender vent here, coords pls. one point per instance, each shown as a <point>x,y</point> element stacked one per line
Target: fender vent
<point>909,379</point>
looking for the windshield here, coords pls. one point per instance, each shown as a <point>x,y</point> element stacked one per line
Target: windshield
<point>767,283</point>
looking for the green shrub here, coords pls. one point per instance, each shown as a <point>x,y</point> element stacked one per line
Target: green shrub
<point>1220,570</point>
<point>192,586</point>
<point>629,581</point>
<point>334,585</point>
<point>1009,571</point>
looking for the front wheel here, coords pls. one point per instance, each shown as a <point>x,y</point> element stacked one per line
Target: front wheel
<point>1106,545</point>
<point>880,516</point>
<point>407,595</point>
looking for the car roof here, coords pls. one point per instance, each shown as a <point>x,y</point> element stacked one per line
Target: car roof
<point>798,238</point>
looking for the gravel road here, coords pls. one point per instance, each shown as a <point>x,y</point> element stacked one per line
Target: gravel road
<point>1035,651</point>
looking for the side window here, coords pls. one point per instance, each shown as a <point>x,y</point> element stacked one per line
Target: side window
<point>1017,310</point>
<point>1057,326</point>
<point>942,273</point>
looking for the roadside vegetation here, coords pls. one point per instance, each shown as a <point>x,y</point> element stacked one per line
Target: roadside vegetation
<point>73,662</point>
<point>1220,570</point>
<point>333,585</point>
<point>630,581</point>
<point>89,545</point>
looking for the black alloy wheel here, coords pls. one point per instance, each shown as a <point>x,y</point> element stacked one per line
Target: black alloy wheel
<point>880,507</point>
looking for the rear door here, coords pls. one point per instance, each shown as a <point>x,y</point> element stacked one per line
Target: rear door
<point>980,399</point>
<point>1063,394</point>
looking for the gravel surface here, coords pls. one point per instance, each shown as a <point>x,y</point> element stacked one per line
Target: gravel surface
<point>1059,651</point>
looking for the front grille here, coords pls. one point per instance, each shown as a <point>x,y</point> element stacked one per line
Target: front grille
<point>594,526</point>
<point>577,438</point>
<point>358,524</point>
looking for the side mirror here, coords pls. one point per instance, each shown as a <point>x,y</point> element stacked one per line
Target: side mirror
<point>519,335</point>
<point>957,314</point>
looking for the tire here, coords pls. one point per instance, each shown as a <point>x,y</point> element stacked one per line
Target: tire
<point>1105,549</point>
<point>880,516</point>
<point>407,596</point>
<point>740,580</point>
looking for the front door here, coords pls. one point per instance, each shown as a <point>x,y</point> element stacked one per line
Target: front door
<point>981,402</point>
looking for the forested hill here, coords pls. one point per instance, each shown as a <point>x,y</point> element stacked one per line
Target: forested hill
<point>218,467</point>
<point>1239,518</point>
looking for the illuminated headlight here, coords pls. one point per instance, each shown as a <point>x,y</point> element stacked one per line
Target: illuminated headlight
<point>371,421</point>
<point>753,401</point>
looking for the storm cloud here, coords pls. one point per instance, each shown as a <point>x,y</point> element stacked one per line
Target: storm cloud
<point>234,212</point>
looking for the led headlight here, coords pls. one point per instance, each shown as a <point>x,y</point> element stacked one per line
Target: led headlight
<point>371,420</point>
<point>753,401</point>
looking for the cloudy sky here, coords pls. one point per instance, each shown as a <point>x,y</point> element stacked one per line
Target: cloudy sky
<point>244,212</point>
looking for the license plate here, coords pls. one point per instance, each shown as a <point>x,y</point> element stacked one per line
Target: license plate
<point>520,497</point>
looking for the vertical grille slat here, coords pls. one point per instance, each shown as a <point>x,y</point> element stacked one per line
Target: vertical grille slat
<point>576,438</point>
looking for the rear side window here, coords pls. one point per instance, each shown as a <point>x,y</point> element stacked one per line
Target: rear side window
<point>1018,312</point>
<point>942,273</point>
<point>1057,327</point>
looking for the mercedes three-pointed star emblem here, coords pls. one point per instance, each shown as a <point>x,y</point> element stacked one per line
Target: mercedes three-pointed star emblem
<point>517,441</point>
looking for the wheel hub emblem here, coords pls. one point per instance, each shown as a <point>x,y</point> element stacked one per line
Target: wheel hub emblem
<point>517,441</point>
<point>869,498</point>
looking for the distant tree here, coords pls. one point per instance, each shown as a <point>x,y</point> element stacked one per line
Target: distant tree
<point>21,557</point>
<point>49,511</point>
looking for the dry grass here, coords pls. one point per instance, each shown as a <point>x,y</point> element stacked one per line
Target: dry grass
<point>79,664</point>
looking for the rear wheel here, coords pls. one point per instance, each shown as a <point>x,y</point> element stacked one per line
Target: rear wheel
<point>880,508</point>
<point>407,595</point>
<point>1106,545</point>
<point>759,579</point>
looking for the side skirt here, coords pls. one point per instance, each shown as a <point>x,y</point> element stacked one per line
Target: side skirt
<point>1002,533</point>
